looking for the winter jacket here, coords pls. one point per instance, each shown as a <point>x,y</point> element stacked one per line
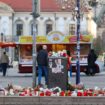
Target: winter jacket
<point>42,58</point>
<point>92,57</point>
<point>4,59</point>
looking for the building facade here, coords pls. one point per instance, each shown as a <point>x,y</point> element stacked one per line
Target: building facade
<point>16,20</point>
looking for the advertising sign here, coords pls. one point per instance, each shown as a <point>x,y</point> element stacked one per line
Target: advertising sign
<point>25,39</point>
<point>83,38</point>
<point>55,37</point>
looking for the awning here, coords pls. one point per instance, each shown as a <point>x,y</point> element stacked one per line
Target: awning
<point>7,44</point>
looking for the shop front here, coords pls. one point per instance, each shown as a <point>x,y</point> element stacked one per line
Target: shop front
<point>55,41</point>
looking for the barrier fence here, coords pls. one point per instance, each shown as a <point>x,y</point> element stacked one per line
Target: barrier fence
<point>52,100</point>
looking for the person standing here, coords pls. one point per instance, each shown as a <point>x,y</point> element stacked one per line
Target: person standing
<point>69,65</point>
<point>42,60</point>
<point>92,57</point>
<point>4,63</point>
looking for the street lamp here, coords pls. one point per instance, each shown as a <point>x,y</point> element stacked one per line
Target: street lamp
<point>77,6</point>
<point>35,6</point>
<point>78,42</point>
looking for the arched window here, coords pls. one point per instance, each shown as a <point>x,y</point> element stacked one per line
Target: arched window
<point>19,27</point>
<point>31,28</point>
<point>49,26</point>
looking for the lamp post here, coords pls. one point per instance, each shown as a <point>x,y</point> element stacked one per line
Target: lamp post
<point>78,6</point>
<point>78,43</point>
<point>35,16</point>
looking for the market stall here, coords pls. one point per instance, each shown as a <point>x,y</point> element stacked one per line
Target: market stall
<point>55,41</point>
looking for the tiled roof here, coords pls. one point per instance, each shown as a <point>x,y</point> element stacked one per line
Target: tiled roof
<point>49,5</point>
<point>26,6</point>
<point>53,6</point>
<point>19,5</point>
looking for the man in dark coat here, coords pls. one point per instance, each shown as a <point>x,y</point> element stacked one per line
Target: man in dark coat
<point>92,57</point>
<point>42,60</point>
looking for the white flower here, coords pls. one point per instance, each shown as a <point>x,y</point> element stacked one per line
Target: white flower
<point>57,94</point>
<point>11,92</point>
<point>96,88</point>
<point>37,93</point>
<point>74,93</point>
<point>41,89</point>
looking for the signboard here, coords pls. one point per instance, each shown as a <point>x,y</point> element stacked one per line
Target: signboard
<point>83,38</point>
<point>25,39</point>
<point>41,39</point>
<point>55,37</point>
<point>58,74</point>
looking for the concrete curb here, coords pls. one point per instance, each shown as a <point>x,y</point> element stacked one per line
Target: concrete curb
<point>52,100</point>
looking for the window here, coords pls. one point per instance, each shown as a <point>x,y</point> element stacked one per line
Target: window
<point>19,29</point>
<point>19,26</point>
<point>48,28</point>
<point>72,29</point>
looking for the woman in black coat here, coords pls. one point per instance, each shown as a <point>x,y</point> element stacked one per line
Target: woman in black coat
<point>92,57</point>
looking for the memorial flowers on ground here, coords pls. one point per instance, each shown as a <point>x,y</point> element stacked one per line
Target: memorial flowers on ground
<point>73,91</point>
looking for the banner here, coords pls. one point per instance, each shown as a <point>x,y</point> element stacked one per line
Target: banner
<point>83,38</point>
<point>55,37</point>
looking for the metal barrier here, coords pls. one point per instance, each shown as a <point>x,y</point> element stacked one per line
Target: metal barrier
<point>52,100</point>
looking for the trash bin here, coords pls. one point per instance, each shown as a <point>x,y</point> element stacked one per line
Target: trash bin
<point>58,74</point>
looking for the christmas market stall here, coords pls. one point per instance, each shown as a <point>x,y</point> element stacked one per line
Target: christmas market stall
<point>56,42</point>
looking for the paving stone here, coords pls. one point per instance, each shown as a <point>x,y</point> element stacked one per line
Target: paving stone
<point>21,100</point>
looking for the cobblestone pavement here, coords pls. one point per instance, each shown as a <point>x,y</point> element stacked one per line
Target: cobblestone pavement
<point>25,80</point>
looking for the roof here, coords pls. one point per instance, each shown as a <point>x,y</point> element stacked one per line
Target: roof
<point>26,6</point>
<point>19,5</point>
<point>54,6</point>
